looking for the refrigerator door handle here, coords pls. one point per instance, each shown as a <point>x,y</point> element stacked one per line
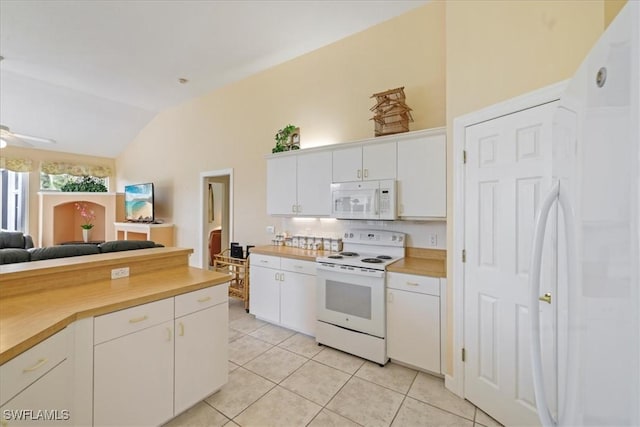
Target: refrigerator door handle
<point>534,286</point>
<point>534,289</point>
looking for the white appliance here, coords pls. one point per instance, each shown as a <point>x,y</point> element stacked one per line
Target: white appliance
<point>595,232</point>
<point>351,293</point>
<point>364,200</point>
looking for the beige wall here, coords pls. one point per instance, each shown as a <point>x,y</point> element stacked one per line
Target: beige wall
<point>497,50</point>
<point>37,157</point>
<point>326,93</point>
<point>611,9</point>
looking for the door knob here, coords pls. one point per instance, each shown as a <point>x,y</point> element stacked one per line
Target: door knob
<point>546,298</point>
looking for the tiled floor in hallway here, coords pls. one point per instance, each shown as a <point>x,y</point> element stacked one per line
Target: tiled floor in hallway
<point>278,377</point>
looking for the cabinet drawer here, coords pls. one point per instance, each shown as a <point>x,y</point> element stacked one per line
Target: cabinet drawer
<point>26,368</point>
<point>265,261</point>
<point>203,298</point>
<point>113,325</point>
<point>298,266</point>
<point>413,283</point>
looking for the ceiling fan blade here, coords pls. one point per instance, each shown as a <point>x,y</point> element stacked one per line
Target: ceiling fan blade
<point>14,140</point>
<point>33,138</point>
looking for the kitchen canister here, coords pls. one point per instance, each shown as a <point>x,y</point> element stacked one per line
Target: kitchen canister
<point>295,241</point>
<point>336,245</point>
<point>302,242</point>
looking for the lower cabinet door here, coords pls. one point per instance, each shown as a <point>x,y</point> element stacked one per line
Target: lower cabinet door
<point>264,293</point>
<point>133,378</point>
<point>298,302</point>
<point>46,402</point>
<point>201,355</point>
<point>413,329</point>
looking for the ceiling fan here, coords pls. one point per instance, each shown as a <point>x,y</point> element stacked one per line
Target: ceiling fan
<point>7,137</point>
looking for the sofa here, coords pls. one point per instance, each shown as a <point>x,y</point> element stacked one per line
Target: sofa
<point>18,247</point>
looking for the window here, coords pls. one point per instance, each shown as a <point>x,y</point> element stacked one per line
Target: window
<point>14,200</point>
<point>54,182</point>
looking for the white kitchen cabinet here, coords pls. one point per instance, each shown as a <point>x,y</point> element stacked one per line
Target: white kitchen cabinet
<point>133,378</point>
<point>264,292</point>
<point>367,162</point>
<point>299,185</point>
<point>153,356</point>
<point>45,402</point>
<point>200,360</point>
<point>298,296</point>
<point>282,185</point>
<point>35,387</point>
<point>283,292</point>
<point>421,178</point>
<point>413,321</point>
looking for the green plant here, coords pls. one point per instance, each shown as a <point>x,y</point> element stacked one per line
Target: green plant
<point>87,184</point>
<point>282,139</point>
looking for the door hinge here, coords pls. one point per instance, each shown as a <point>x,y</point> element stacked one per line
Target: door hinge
<point>464,255</point>
<point>464,156</point>
<point>464,354</point>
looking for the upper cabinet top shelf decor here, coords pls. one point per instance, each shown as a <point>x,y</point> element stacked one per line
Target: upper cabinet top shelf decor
<point>391,114</point>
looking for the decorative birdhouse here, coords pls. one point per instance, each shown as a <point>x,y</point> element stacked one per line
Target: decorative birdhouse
<point>391,113</point>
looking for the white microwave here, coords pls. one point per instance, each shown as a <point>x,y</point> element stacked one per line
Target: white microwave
<point>364,200</point>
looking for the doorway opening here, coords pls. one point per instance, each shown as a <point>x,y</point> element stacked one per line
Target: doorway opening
<point>216,226</point>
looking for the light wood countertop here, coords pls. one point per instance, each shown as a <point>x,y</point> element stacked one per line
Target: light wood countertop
<point>420,261</point>
<point>423,262</point>
<point>288,252</point>
<point>30,317</point>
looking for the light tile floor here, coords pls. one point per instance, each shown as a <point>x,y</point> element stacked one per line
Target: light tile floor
<point>278,377</point>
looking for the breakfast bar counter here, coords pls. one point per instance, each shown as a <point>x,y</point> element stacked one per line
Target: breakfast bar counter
<point>38,299</point>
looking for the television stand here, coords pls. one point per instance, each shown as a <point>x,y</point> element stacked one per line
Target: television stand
<point>159,233</point>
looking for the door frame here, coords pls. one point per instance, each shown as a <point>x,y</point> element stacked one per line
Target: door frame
<point>455,382</point>
<point>204,219</point>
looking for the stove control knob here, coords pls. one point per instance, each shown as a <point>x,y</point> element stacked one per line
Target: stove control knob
<point>400,238</point>
<point>394,237</point>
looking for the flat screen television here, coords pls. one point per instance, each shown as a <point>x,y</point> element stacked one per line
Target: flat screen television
<point>138,202</point>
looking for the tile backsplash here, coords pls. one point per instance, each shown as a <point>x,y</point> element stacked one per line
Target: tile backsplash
<point>420,234</point>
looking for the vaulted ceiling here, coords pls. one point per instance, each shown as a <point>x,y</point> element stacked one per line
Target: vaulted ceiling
<point>91,74</point>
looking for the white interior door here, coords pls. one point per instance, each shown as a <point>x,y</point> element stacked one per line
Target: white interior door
<point>508,170</point>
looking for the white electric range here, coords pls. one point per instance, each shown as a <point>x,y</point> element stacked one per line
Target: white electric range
<point>351,293</point>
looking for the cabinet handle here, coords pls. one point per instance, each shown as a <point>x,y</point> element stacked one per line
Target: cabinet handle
<point>297,266</point>
<point>366,173</point>
<point>359,173</point>
<point>293,208</point>
<point>35,367</point>
<point>181,329</point>
<point>138,319</point>
<point>276,276</point>
<point>169,334</point>
<point>298,209</point>
<point>390,297</point>
<point>264,261</point>
<point>413,284</point>
<point>204,299</point>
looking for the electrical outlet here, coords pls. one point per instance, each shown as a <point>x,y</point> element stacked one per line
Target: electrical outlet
<point>271,229</point>
<point>433,240</point>
<point>118,273</point>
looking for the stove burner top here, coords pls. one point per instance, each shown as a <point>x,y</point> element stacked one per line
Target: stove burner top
<point>348,254</point>
<point>335,256</point>
<point>372,260</point>
<point>383,257</point>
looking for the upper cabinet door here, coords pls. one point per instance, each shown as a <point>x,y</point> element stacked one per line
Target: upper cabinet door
<point>379,161</point>
<point>314,184</point>
<point>347,164</point>
<point>422,180</point>
<point>281,186</point>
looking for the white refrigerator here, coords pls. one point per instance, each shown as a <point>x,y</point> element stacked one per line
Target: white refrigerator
<point>592,218</point>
